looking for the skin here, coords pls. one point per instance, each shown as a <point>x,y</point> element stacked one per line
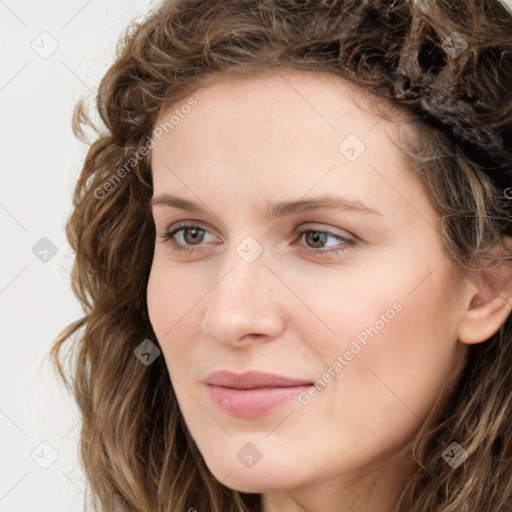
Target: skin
<point>251,142</point>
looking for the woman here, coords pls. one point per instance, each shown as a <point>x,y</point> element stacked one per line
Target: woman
<point>293,249</point>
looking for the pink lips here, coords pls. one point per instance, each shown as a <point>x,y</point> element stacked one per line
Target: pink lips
<point>253,393</point>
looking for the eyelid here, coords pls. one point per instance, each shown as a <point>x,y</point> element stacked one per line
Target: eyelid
<point>175,226</point>
<point>313,226</point>
<point>308,226</point>
<point>344,242</point>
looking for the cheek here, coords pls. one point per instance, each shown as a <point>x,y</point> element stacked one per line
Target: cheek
<point>159,295</point>
<point>394,347</point>
<point>416,353</point>
<point>176,302</point>
<point>395,360</point>
<point>171,297</point>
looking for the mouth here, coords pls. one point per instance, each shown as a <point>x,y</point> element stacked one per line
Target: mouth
<point>253,393</point>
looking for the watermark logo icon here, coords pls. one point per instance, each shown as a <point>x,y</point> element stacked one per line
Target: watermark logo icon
<point>146,352</point>
<point>45,45</point>
<point>454,455</point>
<point>44,455</point>
<point>351,147</point>
<point>249,249</point>
<point>249,455</point>
<point>44,250</point>
<point>454,45</point>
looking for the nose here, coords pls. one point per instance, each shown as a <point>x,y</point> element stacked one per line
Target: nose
<point>243,304</point>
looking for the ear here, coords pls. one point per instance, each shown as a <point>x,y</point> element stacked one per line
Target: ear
<point>489,303</point>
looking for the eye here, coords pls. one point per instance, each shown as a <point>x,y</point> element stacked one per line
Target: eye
<point>185,236</point>
<point>317,239</point>
<point>319,242</point>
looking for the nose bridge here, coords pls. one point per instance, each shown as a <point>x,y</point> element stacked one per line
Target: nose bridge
<point>241,301</point>
<point>245,273</point>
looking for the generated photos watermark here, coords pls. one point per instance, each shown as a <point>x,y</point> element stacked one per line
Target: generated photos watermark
<point>137,156</point>
<point>356,346</point>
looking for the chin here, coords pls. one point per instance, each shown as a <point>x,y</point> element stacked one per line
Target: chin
<point>249,482</point>
<point>260,478</point>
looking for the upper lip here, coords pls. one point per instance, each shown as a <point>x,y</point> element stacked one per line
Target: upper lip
<point>252,380</point>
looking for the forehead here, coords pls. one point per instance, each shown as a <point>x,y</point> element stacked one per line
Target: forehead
<point>288,130</point>
<point>279,102</point>
<point>280,113</point>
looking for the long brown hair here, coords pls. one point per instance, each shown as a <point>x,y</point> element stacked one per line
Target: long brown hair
<point>136,450</point>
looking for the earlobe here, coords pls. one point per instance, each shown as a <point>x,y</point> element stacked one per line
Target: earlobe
<point>488,309</point>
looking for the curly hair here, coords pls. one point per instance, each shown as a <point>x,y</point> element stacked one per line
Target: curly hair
<point>136,450</point>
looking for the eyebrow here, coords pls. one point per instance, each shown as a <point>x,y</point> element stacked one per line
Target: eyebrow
<point>277,210</point>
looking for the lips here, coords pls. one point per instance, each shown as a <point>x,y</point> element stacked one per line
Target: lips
<point>253,393</point>
<point>252,380</point>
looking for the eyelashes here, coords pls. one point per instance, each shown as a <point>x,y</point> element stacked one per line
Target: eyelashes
<point>180,237</point>
<point>324,235</point>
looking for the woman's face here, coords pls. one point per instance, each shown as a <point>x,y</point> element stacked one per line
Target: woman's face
<point>304,254</point>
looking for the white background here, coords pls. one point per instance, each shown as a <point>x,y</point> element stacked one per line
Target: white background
<point>40,162</point>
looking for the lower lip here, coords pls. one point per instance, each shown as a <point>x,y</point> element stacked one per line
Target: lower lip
<point>251,403</point>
